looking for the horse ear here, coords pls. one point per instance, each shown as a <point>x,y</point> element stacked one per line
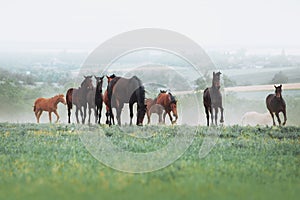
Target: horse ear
<point>102,77</point>
<point>84,76</point>
<point>280,85</point>
<point>274,86</point>
<point>214,73</point>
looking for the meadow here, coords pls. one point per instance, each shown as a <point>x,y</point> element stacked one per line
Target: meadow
<point>49,161</point>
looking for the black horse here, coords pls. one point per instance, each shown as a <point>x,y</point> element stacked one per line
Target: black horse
<point>122,90</point>
<point>276,104</point>
<point>212,99</point>
<point>99,97</point>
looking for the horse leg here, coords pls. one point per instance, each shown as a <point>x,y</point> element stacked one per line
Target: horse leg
<point>222,117</point>
<point>39,115</point>
<point>272,115</point>
<point>278,118</point>
<point>211,115</point>
<point>76,113</point>
<point>57,116</point>
<point>284,115</point>
<point>50,117</point>
<point>36,115</point>
<point>131,112</point>
<point>216,115</point>
<point>207,115</point>
<point>84,114</point>
<point>119,115</point>
<point>99,113</point>
<point>164,117</point>
<point>170,116</point>
<point>69,115</point>
<point>148,116</point>
<point>90,111</point>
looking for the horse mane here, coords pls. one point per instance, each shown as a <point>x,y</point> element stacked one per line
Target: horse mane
<point>173,99</point>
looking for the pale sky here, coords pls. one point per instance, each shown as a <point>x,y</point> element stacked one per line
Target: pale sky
<point>208,22</point>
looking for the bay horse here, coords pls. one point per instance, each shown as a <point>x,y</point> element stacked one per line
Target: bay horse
<point>169,103</point>
<point>48,104</point>
<point>276,104</point>
<point>212,99</point>
<point>109,117</point>
<point>78,97</point>
<point>122,90</point>
<point>152,107</point>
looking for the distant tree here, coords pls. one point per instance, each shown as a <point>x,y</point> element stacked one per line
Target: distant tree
<point>200,83</point>
<point>279,77</point>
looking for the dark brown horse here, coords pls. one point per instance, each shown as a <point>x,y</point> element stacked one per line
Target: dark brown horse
<point>78,97</point>
<point>50,105</point>
<point>94,100</point>
<point>152,107</point>
<point>109,117</point>
<point>212,99</point>
<point>122,90</point>
<point>99,97</point>
<point>276,104</point>
<point>169,103</point>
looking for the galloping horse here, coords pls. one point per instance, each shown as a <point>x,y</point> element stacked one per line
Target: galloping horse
<point>50,105</point>
<point>212,99</point>
<point>78,97</point>
<point>276,104</point>
<point>122,90</point>
<point>99,97</point>
<point>169,103</point>
<point>152,107</point>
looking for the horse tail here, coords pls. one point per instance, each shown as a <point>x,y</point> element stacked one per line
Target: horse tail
<point>69,98</point>
<point>34,108</point>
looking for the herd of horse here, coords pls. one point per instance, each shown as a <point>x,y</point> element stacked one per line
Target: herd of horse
<point>122,90</point>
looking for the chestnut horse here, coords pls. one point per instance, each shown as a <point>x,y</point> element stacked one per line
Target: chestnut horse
<point>50,105</point>
<point>78,97</point>
<point>152,107</point>
<point>212,99</point>
<point>122,90</point>
<point>169,103</point>
<point>276,104</point>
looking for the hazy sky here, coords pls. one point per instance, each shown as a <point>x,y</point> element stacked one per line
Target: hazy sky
<point>208,22</point>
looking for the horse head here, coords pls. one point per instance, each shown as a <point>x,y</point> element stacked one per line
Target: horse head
<point>173,106</point>
<point>109,78</point>
<point>87,83</point>
<point>141,114</point>
<point>61,99</point>
<point>99,81</point>
<point>278,90</point>
<point>216,80</point>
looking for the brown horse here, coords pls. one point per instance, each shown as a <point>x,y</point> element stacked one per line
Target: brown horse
<point>152,107</point>
<point>212,99</point>
<point>276,104</point>
<point>78,97</point>
<point>122,90</point>
<point>49,105</point>
<point>169,103</point>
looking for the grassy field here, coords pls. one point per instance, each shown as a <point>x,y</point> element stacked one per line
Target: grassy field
<point>50,162</point>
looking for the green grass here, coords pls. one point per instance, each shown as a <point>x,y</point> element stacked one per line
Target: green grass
<point>50,162</point>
